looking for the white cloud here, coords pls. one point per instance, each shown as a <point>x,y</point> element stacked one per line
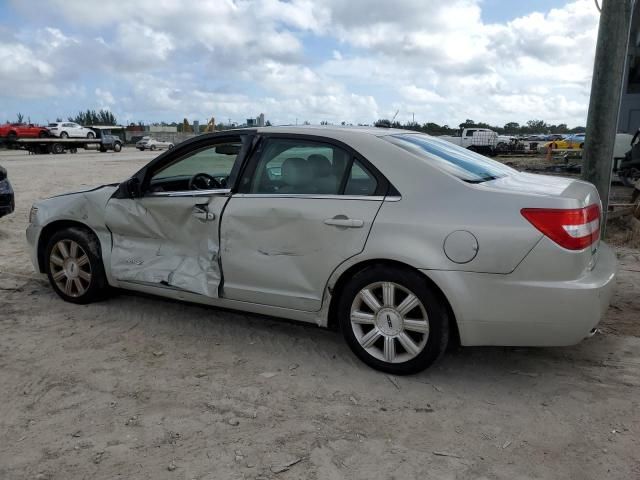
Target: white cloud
<point>236,58</point>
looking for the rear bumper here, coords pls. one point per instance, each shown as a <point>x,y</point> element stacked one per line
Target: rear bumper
<point>513,310</point>
<point>5,210</point>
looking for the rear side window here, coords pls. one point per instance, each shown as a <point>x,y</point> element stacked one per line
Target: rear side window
<point>460,162</point>
<point>360,181</point>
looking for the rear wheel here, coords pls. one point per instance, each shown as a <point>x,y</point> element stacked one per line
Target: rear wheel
<point>12,136</point>
<point>393,320</point>
<point>153,147</point>
<point>43,134</point>
<point>74,266</point>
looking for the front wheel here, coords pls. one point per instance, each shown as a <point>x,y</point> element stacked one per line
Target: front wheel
<point>117,147</point>
<point>393,320</point>
<point>74,266</point>
<point>64,135</point>
<point>152,148</point>
<point>91,135</point>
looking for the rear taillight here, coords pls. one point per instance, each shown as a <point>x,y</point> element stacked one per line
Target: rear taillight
<point>572,229</point>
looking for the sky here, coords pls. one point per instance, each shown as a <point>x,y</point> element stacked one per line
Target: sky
<point>338,61</point>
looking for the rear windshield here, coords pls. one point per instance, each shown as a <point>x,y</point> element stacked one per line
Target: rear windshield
<point>460,162</point>
<point>53,125</point>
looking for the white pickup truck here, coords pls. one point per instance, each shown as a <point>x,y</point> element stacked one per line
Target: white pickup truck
<point>480,140</point>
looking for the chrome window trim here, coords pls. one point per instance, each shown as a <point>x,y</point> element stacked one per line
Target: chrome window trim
<point>313,196</point>
<point>191,193</point>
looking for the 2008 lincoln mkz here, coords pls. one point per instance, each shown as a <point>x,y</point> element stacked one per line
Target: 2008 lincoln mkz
<point>405,241</point>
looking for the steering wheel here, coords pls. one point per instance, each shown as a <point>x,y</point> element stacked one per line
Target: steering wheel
<point>204,181</point>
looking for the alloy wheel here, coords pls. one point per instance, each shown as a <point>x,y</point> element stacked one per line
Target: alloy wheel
<point>70,268</point>
<point>389,322</point>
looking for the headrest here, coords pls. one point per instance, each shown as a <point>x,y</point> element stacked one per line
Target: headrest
<point>320,165</point>
<point>296,171</point>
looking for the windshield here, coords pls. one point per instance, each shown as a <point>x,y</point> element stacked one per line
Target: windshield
<point>460,162</point>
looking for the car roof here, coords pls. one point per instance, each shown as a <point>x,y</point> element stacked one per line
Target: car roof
<point>325,130</point>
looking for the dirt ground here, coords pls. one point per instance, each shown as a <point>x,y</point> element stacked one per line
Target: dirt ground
<point>144,388</point>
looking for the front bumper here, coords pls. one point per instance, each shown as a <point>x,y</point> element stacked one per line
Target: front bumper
<point>512,310</point>
<point>33,235</point>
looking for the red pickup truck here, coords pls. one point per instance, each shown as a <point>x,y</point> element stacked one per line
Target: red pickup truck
<point>11,131</point>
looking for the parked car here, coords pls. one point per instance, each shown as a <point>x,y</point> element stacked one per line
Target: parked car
<point>70,130</point>
<point>150,143</point>
<point>554,137</point>
<point>475,139</point>
<point>13,131</point>
<point>570,142</point>
<point>7,199</point>
<point>109,141</point>
<point>535,138</point>
<point>405,241</point>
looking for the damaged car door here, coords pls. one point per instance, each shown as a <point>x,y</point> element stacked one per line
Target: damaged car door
<point>168,236</point>
<point>303,207</point>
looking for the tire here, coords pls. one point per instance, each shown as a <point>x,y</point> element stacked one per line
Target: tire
<point>170,146</point>
<point>12,136</point>
<point>117,147</point>
<point>141,149</point>
<point>75,281</point>
<point>103,149</point>
<point>43,134</point>
<point>57,148</point>
<point>64,135</point>
<point>152,148</point>
<point>91,135</point>
<point>388,349</point>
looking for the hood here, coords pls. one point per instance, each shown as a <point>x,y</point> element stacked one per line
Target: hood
<point>111,186</point>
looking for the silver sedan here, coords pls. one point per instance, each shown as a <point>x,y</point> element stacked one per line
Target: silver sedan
<point>404,241</point>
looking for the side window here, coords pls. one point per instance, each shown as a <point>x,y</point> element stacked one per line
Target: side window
<point>207,168</point>
<point>288,166</point>
<point>360,181</point>
<point>470,133</point>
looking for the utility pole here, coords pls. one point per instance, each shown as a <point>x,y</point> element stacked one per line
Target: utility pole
<point>604,104</point>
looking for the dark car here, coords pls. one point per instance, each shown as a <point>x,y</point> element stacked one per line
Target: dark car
<point>7,200</point>
<point>109,140</point>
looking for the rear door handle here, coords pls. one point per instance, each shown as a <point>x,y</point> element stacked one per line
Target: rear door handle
<point>344,222</point>
<point>202,213</point>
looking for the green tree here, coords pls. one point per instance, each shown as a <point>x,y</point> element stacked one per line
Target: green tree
<point>512,127</point>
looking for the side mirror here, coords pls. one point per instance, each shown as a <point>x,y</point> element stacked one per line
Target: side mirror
<point>131,188</point>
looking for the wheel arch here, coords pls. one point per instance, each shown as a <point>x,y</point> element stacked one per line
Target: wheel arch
<point>50,229</point>
<point>338,286</point>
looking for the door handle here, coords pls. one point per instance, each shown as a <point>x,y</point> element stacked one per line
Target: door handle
<point>344,222</point>
<point>202,213</point>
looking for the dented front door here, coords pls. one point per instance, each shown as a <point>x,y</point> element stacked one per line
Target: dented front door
<point>168,239</point>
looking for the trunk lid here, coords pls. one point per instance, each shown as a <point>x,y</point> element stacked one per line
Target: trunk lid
<point>570,192</point>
